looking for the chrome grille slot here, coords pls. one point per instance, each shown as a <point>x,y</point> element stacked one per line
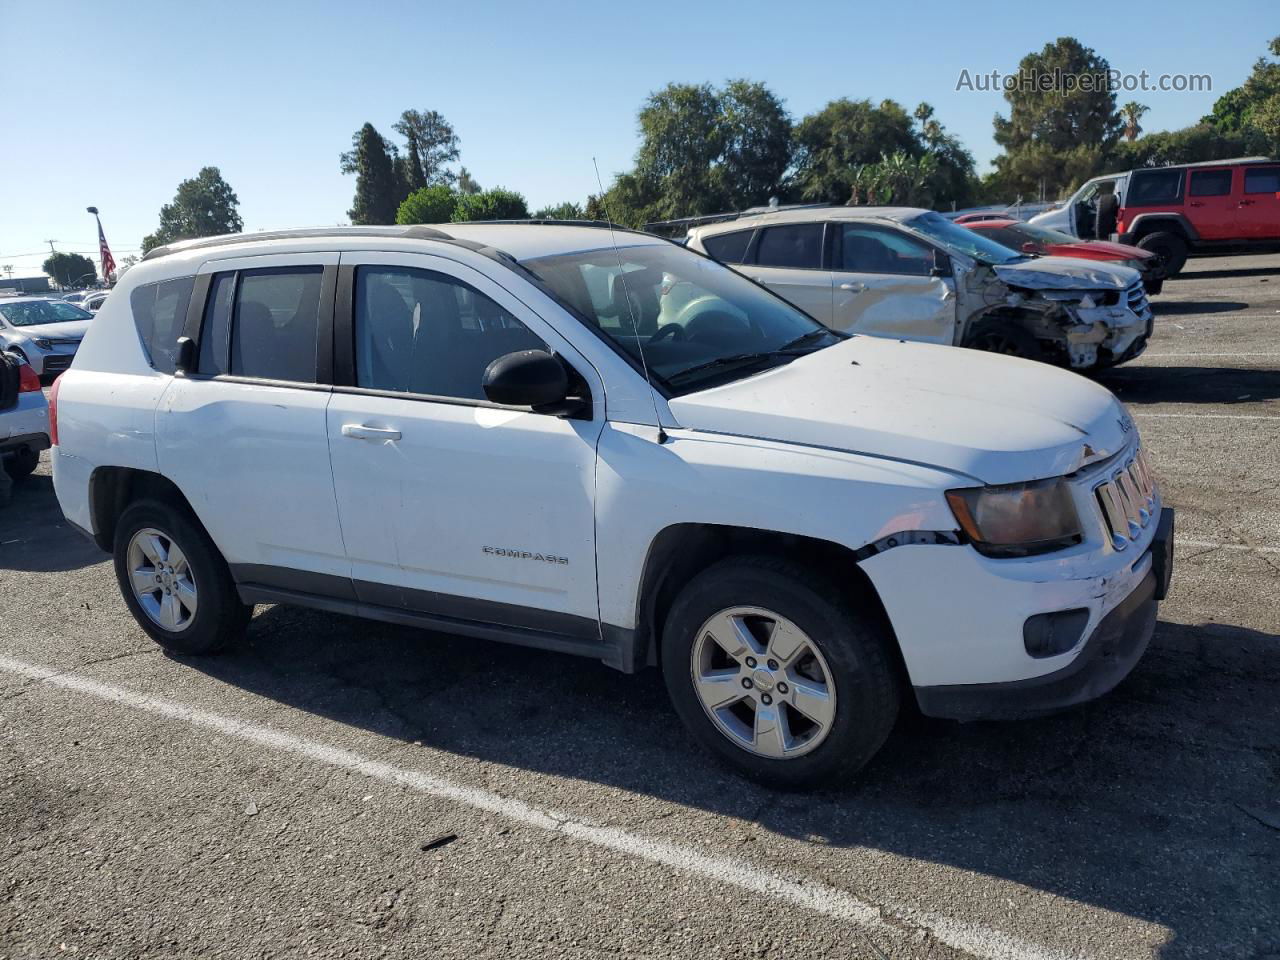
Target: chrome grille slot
<point>1135,297</point>
<point>1127,499</point>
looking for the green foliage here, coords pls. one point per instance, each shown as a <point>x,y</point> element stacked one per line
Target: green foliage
<point>898,179</point>
<point>845,134</point>
<point>495,204</point>
<point>561,211</point>
<point>1055,137</point>
<point>1189,145</point>
<point>205,206</point>
<point>1130,115</point>
<point>379,185</point>
<point>430,143</point>
<point>69,269</point>
<point>428,205</point>
<point>756,144</point>
<point>465,183</point>
<point>1250,113</point>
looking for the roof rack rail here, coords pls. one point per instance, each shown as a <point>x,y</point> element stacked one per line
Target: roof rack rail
<point>549,222</point>
<point>658,225</point>
<point>405,233</point>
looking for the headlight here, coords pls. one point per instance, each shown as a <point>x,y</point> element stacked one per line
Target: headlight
<point>1017,520</point>
<point>44,344</point>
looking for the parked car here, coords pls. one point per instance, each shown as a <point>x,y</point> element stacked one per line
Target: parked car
<point>967,218</point>
<point>43,331</point>
<point>1043,242</point>
<point>94,301</point>
<point>487,429</point>
<point>1221,206</point>
<point>75,296</point>
<point>912,274</point>
<point>24,421</point>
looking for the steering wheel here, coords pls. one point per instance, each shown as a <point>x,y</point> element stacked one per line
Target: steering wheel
<point>672,330</point>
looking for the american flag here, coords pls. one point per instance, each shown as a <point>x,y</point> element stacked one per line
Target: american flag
<point>108,261</point>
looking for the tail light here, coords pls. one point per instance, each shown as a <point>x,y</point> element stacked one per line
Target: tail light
<point>27,379</point>
<point>53,411</point>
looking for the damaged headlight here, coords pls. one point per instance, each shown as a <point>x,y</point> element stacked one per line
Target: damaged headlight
<point>1018,519</point>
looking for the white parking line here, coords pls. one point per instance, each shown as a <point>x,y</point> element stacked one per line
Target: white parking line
<point>810,894</point>
<point>1145,355</point>
<point>1212,545</point>
<point>1206,416</point>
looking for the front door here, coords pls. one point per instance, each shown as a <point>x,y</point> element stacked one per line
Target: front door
<point>451,505</point>
<point>1212,206</point>
<point>789,260</point>
<point>1259,207</point>
<point>885,285</point>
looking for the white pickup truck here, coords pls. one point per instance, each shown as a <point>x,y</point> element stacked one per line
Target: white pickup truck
<point>505,432</point>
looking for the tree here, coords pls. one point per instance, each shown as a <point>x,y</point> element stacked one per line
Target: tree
<point>681,138</point>
<point>428,205</point>
<point>1192,144</point>
<point>70,269</point>
<point>205,206</point>
<point>379,187</point>
<point>1055,136</point>
<point>756,144</point>
<point>1250,113</point>
<point>845,134</point>
<point>495,204</point>
<point>1130,114</point>
<point>953,178</point>
<point>896,179</point>
<point>430,143</point>
<point>561,211</point>
<point>465,183</point>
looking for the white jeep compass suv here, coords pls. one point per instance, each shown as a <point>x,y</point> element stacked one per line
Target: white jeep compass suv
<point>604,444</point>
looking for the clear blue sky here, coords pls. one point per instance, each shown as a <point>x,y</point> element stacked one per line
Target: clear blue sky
<point>114,104</point>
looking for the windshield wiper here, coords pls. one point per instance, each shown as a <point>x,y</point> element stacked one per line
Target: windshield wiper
<point>803,339</point>
<point>786,351</point>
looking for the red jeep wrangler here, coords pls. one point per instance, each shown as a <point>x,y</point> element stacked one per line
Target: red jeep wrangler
<point>1224,206</point>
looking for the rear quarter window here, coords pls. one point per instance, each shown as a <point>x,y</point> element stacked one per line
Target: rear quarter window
<point>159,314</point>
<point>728,247</point>
<point>1155,188</point>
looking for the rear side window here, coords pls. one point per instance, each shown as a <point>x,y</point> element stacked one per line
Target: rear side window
<point>729,247</point>
<point>1152,188</point>
<point>1262,180</point>
<point>159,313</point>
<point>794,245</point>
<point>876,250</point>
<point>263,323</point>
<point>1210,183</point>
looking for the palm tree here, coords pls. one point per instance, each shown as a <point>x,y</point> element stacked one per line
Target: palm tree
<point>1131,113</point>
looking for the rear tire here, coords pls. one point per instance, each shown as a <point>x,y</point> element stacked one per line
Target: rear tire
<point>22,463</point>
<point>1169,247</point>
<point>175,582</point>
<point>823,693</point>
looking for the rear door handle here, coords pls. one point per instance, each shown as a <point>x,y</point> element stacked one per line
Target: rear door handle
<point>358,431</point>
<point>855,287</point>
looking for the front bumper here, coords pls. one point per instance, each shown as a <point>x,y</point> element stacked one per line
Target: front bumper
<point>1112,650</point>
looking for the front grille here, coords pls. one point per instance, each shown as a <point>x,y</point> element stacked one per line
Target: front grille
<point>1127,498</point>
<point>58,362</point>
<point>1135,298</point>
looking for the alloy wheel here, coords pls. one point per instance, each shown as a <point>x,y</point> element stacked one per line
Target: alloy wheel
<point>162,580</point>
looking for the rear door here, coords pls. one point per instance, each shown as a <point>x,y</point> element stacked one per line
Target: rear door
<point>885,285</point>
<point>1260,203</point>
<point>791,260</point>
<point>1213,203</point>
<point>243,435</point>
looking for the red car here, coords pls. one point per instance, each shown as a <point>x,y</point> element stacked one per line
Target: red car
<point>1028,238</point>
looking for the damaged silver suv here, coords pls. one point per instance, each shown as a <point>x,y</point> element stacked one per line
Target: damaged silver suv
<point>912,274</point>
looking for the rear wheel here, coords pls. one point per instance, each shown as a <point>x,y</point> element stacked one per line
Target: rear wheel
<point>22,463</point>
<point>1169,247</point>
<point>174,581</point>
<point>776,672</point>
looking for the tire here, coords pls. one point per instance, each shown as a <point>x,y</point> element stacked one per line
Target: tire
<point>9,381</point>
<point>22,463</point>
<point>845,653</point>
<point>219,618</point>
<point>1170,247</point>
<point>1005,337</point>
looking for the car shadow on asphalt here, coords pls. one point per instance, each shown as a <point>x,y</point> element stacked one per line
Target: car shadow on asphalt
<point>1136,803</point>
<point>1227,274</point>
<point>1169,384</point>
<point>34,535</point>
<point>1173,308</point>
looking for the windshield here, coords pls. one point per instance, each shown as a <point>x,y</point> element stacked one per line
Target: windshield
<point>28,313</point>
<point>697,321</point>
<point>960,238</point>
<point>1034,234</point>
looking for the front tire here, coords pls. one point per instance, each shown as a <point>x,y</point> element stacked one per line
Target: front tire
<point>779,672</point>
<point>174,580</point>
<point>1005,337</point>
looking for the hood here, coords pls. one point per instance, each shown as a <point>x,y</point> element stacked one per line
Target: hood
<point>1065,273</point>
<point>66,330</point>
<point>1102,249</point>
<point>993,418</point>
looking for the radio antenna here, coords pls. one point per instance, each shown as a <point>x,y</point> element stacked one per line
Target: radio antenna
<point>631,310</point>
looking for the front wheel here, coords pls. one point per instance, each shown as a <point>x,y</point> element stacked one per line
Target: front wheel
<point>779,672</point>
<point>174,581</point>
<point>1006,337</point>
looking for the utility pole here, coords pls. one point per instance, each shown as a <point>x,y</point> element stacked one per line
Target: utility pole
<point>51,243</point>
<point>8,268</point>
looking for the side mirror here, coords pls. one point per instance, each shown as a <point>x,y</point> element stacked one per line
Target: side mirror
<point>185,358</point>
<point>530,378</point>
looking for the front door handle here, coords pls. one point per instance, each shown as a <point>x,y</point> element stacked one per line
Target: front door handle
<point>855,287</point>
<point>358,431</point>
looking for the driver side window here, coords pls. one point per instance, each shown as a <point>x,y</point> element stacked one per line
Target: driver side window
<point>423,332</point>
